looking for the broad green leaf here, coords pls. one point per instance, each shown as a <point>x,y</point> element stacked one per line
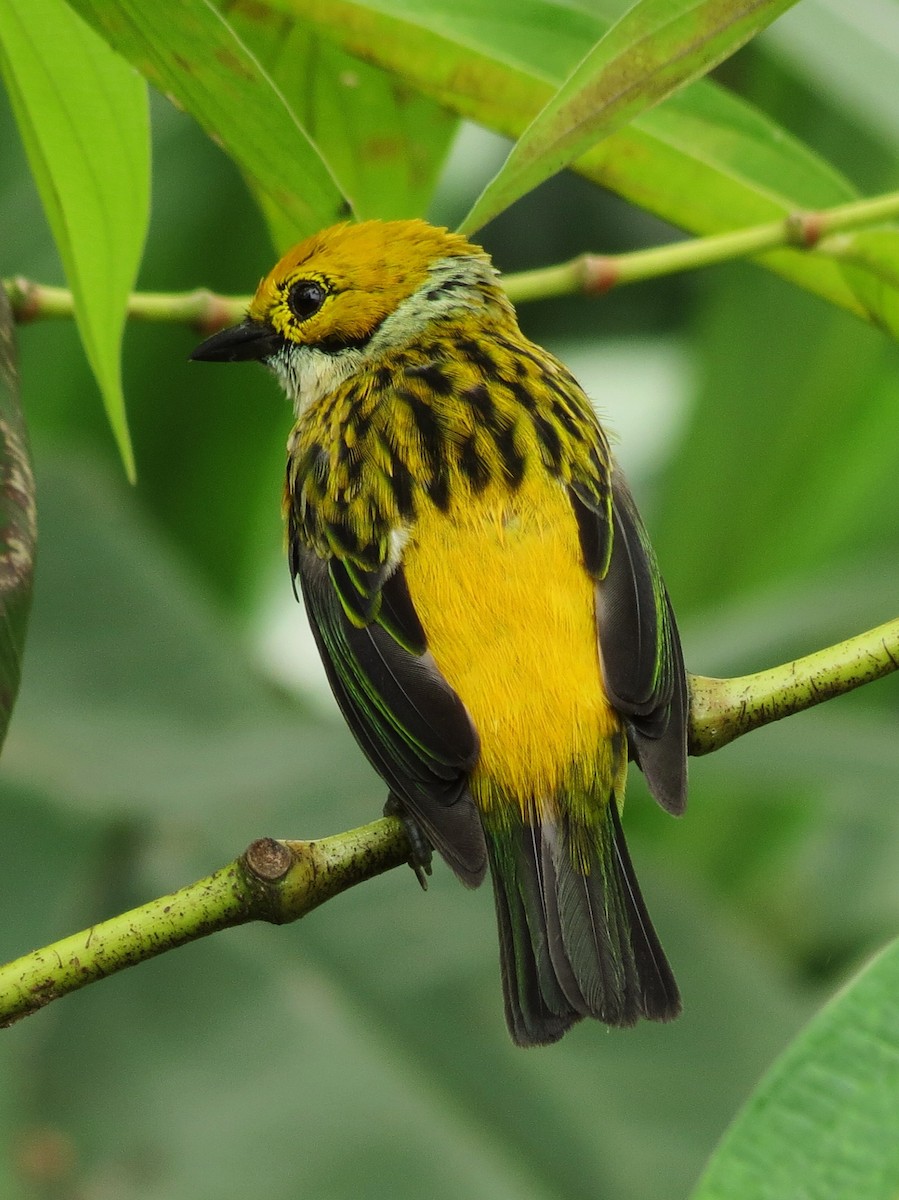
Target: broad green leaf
<point>703,159</point>
<point>194,428</point>
<point>656,48</point>
<point>870,262</point>
<point>188,51</point>
<point>82,113</point>
<point>17,522</point>
<point>385,141</point>
<point>824,1123</point>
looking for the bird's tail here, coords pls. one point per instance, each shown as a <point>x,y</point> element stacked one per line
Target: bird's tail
<point>575,938</point>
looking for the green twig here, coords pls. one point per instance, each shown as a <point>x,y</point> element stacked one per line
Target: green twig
<point>271,881</point>
<point>589,274</point>
<point>595,274</point>
<point>282,881</point>
<point>205,311</point>
<point>724,709</point>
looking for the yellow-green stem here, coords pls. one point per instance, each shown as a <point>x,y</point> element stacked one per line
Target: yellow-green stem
<point>594,274</point>
<point>204,310</point>
<point>724,709</point>
<point>271,881</point>
<point>281,881</point>
<point>589,274</point>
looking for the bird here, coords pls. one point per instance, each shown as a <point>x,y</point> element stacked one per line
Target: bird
<point>484,597</point>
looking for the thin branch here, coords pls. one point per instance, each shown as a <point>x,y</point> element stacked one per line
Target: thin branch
<point>279,882</point>
<point>272,881</point>
<point>587,275</point>
<point>724,709</point>
<point>596,274</point>
<point>205,311</point>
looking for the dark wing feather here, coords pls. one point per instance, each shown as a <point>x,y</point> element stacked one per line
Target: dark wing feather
<point>640,651</point>
<point>411,725</point>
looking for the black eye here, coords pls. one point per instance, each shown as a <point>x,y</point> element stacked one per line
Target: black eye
<point>305,299</point>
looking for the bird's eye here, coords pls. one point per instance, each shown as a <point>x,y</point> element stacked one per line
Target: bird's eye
<point>305,299</point>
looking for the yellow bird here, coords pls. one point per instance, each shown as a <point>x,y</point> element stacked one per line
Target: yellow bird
<point>484,598</point>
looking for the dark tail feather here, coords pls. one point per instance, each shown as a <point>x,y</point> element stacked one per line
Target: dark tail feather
<point>573,943</point>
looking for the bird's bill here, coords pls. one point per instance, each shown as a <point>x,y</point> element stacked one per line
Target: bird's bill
<point>250,341</point>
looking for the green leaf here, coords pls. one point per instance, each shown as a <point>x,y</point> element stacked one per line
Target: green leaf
<point>703,159</point>
<point>386,142</point>
<point>190,52</point>
<point>17,522</point>
<point>83,118</point>
<point>657,47</point>
<point>824,1123</point>
<point>870,262</point>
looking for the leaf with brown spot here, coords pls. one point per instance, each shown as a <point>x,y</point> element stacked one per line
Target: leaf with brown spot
<point>193,55</point>
<point>384,140</point>
<point>656,48</point>
<point>703,159</point>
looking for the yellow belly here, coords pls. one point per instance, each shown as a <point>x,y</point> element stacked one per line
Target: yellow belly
<point>508,610</point>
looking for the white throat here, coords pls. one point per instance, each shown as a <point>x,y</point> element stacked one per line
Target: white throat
<point>453,284</point>
<point>307,373</point>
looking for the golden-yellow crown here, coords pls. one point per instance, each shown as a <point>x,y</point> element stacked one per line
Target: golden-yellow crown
<point>342,282</point>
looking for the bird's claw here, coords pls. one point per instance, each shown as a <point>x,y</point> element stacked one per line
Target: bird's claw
<point>420,848</point>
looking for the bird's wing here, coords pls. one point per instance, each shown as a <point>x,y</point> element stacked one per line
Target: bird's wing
<point>412,726</point>
<point>639,646</point>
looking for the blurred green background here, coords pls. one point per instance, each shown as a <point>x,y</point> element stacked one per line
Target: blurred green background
<point>171,712</point>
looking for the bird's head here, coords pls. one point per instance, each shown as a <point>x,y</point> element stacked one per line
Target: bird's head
<point>349,294</point>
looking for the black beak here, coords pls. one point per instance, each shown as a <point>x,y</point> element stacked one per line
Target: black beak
<point>250,341</point>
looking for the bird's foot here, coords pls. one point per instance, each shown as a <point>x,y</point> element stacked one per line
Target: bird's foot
<point>420,847</point>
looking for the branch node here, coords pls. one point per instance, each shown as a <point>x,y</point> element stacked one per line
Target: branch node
<point>805,229</point>
<point>24,298</point>
<point>267,859</point>
<point>600,273</point>
<point>214,312</point>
